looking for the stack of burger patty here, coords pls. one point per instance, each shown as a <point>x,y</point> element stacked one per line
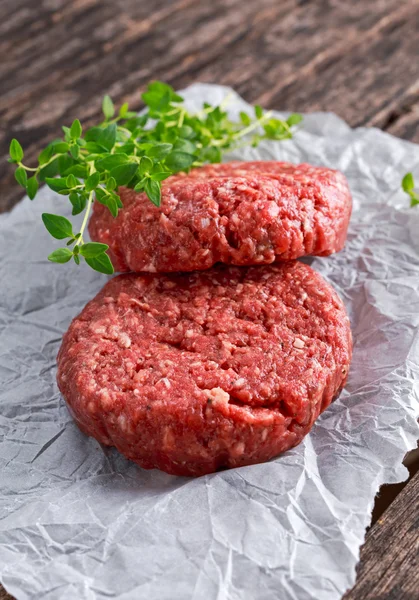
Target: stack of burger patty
<point>219,349</point>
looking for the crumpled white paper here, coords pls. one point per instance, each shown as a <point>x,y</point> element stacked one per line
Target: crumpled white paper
<point>77,521</point>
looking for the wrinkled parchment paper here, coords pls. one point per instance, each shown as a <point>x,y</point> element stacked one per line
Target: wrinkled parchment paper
<point>77,521</point>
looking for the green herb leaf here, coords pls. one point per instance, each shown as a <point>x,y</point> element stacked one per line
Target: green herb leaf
<point>139,187</point>
<point>15,151</point>
<point>65,162</point>
<point>108,200</point>
<point>78,202</point>
<point>111,184</point>
<point>75,129</point>
<point>67,134</point>
<point>159,151</point>
<point>57,184</point>
<point>60,148</point>
<point>123,110</point>
<point>211,154</point>
<point>92,249</point>
<point>93,134</point>
<point>45,155</point>
<point>108,107</point>
<point>75,151</point>
<point>101,263</point>
<point>153,191</point>
<point>92,182</point>
<point>117,199</point>
<point>408,183</point>
<point>59,227</point>
<point>62,255</point>
<point>258,111</point>
<point>146,165</point>
<point>245,119</point>
<point>179,161</point>
<point>49,170</point>
<point>185,146</point>
<point>107,137</point>
<point>71,181</point>
<point>186,132</point>
<point>32,187</point>
<point>294,119</point>
<point>20,176</point>
<point>124,173</point>
<point>111,161</point>
<point>160,175</point>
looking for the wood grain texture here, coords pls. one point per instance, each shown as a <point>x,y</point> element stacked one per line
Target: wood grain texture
<point>358,59</point>
<point>389,567</point>
<point>4,595</point>
<point>60,57</point>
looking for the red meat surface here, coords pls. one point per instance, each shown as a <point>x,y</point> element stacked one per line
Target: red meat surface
<point>240,213</point>
<point>195,372</point>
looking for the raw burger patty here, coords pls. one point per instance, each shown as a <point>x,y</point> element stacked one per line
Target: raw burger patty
<point>240,213</point>
<point>202,371</point>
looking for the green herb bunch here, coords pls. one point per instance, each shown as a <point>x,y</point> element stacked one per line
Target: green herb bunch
<point>134,151</point>
<point>408,185</point>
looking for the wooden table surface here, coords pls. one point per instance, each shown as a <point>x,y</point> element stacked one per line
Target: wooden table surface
<point>359,59</point>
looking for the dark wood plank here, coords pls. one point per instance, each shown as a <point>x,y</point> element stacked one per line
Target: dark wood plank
<point>401,117</point>
<point>4,595</point>
<point>92,49</point>
<point>389,567</point>
<point>355,77</point>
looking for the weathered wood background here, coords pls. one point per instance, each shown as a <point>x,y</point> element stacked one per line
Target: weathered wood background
<point>359,59</point>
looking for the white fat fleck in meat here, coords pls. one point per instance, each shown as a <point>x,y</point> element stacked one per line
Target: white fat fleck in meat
<point>141,375</point>
<point>205,223</point>
<point>273,209</point>
<point>168,285</point>
<point>217,395</point>
<point>164,222</point>
<point>298,343</point>
<point>169,439</point>
<point>150,268</point>
<point>124,339</point>
<point>237,449</point>
<point>122,422</point>
<point>135,301</point>
<point>165,382</point>
<point>99,329</point>
<point>189,333</point>
<point>239,383</point>
<point>106,399</point>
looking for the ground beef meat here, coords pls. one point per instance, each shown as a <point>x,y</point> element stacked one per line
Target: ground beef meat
<point>195,372</point>
<point>240,213</point>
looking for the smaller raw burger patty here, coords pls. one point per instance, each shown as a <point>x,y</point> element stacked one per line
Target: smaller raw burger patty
<point>240,213</point>
<point>203,371</point>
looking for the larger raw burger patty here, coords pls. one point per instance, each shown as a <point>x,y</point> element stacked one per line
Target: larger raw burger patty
<point>202,371</point>
<point>240,213</point>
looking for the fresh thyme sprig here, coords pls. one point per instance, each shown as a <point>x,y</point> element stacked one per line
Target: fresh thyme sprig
<point>408,185</point>
<point>134,151</point>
